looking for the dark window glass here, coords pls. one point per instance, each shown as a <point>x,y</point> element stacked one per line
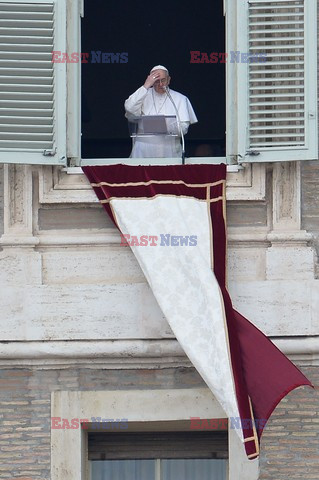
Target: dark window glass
<point>135,36</point>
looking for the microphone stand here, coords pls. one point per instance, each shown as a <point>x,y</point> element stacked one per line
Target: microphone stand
<point>178,123</point>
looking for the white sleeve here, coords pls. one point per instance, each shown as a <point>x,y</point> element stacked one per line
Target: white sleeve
<point>174,127</point>
<point>133,105</point>
<point>184,127</point>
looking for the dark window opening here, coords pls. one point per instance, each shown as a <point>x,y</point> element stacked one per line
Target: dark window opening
<point>124,40</point>
<point>158,455</point>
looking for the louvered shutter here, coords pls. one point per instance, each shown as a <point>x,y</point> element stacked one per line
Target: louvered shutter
<point>32,88</point>
<point>277,118</point>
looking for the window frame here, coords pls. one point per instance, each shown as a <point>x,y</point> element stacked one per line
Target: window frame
<point>68,93</point>
<point>237,97</point>
<point>113,443</point>
<point>74,111</point>
<point>69,447</point>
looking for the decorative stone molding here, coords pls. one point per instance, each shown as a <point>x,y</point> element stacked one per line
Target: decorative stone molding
<point>18,214</point>
<point>130,354</point>
<point>289,255</point>
<point>103,354</point>
<point>286,197</point>
<point>247,184</point>
<point>57,186</point>
<point>19,263</point>
<point>109,236</point>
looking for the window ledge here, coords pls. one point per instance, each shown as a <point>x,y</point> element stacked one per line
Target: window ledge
<point>78,170</point>
<point>69,185</point>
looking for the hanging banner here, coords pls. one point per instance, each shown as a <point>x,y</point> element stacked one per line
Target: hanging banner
<point>173,218</point>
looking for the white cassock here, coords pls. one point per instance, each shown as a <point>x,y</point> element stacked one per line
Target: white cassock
<point>148,102</point>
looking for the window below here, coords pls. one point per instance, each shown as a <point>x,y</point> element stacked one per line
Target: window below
<point>159,469</point>
<point>158,455</point>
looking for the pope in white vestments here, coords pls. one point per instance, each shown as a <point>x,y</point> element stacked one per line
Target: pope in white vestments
<point>155,98</point>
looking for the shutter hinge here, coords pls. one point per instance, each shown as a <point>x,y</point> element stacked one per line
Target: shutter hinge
<point>253,153</point>
<point>49,153</point>
<point>234,159</point>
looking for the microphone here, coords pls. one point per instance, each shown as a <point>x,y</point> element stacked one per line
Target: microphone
<point>178,123</point>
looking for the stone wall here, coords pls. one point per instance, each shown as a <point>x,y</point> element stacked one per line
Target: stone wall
<point>25,408</point>
<point>310,203</point>
<point>290,443</point>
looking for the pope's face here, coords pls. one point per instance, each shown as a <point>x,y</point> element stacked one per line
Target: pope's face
<point>162,81</point>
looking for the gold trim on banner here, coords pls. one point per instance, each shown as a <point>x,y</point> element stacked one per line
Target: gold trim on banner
<point>249,439</point>
<point>222,198</point>
<point>159,182</point>
<point>212,200</point>
<point>228,345</point>
<point>211,244</point>
<point>254,426</point>
<point>226,240</point>
<point>253,455</point>
<point>160,195</point>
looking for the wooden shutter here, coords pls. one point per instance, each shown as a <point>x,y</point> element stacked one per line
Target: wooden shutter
<point>279,119</point>
<point>32,88</point>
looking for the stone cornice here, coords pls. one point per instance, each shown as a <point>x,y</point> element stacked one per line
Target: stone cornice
<point>122,354</point>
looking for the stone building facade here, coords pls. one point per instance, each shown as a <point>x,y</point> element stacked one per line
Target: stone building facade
<point>82,334</point>
<point>78,316</point>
